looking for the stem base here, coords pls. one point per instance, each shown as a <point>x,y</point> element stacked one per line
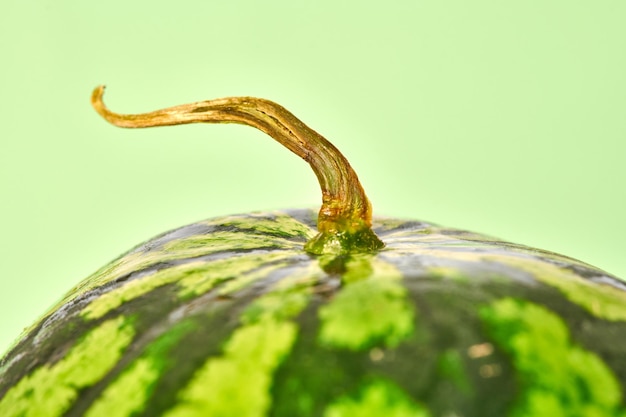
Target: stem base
<point>338,243</point>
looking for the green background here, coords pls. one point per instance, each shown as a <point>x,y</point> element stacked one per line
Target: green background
<point>507,118</point>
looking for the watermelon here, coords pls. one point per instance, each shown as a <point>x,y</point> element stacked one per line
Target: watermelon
<point>297,313</point>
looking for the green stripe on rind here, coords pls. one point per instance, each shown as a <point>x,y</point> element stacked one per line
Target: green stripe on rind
<point>193,279</point>
<point>242,281</point>
<point>238,382</point>
<point>51,389</point>
<point>128,394</point>
<point>189,247</point>
<point>372,310</point>
<point>601,300</point>
<point>230,268</point>
<point>557,377</point>
<point>276,306</point>
<point>201,245</point>
<point>205,244</point>
<point>376,399</point>
<point>278,224</point>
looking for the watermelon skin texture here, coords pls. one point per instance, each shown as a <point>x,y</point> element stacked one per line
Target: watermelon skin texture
<point>230,317</point>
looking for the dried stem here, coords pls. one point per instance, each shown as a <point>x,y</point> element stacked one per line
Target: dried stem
<point>344,220</point>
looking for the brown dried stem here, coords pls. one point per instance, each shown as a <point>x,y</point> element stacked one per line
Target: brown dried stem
<point>345,215</point>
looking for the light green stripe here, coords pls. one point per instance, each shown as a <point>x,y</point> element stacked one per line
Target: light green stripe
<point>240,282</point>
<point>51,389</point>
<point>186,248</point>
<point>128,394</point>
<point>557,377</point>
<point>371,309</point>
<point>201,245</point>
<point>377,399</point>
<point>196,246</point>
<point>601,300</point>
<point>280,224</point>
<point>193,278</point>
<point>135,288</point>
<point>238,382</point>
<point>231,268</point>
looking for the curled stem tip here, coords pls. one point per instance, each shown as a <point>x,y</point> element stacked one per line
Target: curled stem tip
<point>344,220</point>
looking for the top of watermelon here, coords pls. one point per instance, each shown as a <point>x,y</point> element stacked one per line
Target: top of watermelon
<point>230,317</point>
